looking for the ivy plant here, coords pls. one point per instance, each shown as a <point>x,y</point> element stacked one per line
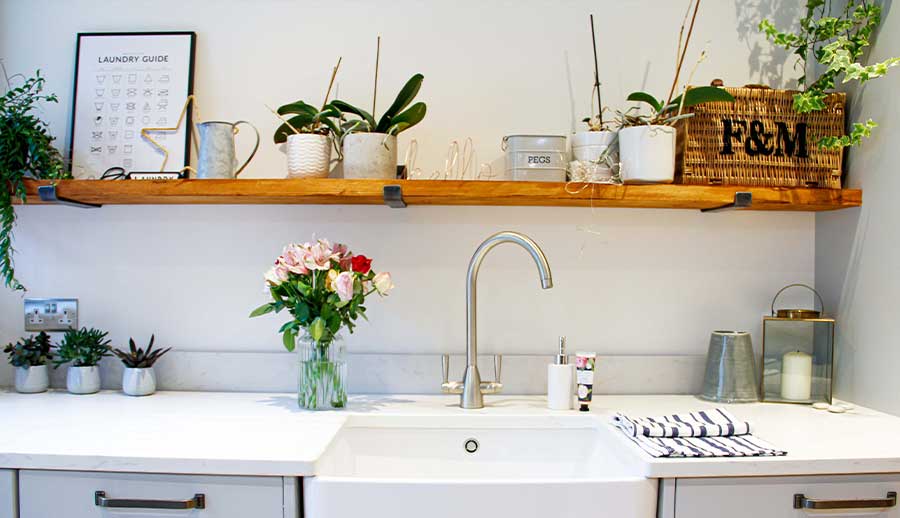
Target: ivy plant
<point>26,151</point>
<point>32,351</point>
<point>836,38</point>
<point>83,347</point>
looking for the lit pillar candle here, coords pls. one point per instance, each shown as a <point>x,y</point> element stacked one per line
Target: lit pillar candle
<point>796,376</point>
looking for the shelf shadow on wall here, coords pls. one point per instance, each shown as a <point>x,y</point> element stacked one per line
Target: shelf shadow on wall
<point>768,64</point>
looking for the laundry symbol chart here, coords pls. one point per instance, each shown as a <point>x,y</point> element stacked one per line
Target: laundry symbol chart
<point>113,121</point>
<point>132,78</point>
<point>127,149</point>
<point>100,91</point>
<point>148,78</point>
<point>148,92</point>
<point>96,150</point>
<point>147,107</point>
<point>127,163</point>
<point>116,92</point>
<point>97,135</point>
<point>162,121</point>
<point>98,106</point>
<point>117,78</point>
<point>98,120</point>
<point>163,92</point>
<point>114,106</point>
<point>112,149</point>
<point>101,78</point>
<point>130,106</point>
<point>131,92</point>
<point>129,120</point>
<point>164,78</point>
<point>113,135</point>
<point>129,134</point>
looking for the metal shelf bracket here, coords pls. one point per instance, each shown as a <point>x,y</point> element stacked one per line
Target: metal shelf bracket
<point>47,193</point>
<point>742,200</point>
<point>393,197</point>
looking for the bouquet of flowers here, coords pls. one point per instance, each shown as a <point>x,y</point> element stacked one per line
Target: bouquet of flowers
<point>323,286</point>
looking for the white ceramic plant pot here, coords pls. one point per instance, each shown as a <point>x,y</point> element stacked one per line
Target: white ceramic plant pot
<point>308,155</point>
<point>138,382</point>
<point>31,380</point>
<point>370,155</point>
<point>83,380</point>
<point>588,146</point>
<point>647,154</point>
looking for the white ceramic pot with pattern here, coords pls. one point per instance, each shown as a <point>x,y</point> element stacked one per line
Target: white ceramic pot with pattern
<point>370,155</point>
<point>308,155</point>
<point>138,382</point>
<point>33,379</point>
<point>83,380</point>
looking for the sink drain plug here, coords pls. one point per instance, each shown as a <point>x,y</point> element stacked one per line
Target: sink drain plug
<point>471,445</point>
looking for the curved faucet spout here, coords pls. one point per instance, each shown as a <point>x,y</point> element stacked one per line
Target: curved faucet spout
<point>472,396</point>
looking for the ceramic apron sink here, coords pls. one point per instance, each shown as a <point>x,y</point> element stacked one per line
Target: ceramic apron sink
<point>498,466</point>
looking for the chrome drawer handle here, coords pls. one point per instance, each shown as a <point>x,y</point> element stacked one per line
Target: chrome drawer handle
<point>100,500</point>
<point>801,502</point>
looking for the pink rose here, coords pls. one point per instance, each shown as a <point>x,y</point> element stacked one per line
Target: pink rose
<point>343,285</point>
<point>383,282</point>
<point>293,259</point>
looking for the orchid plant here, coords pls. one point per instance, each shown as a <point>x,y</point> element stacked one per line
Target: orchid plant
<point>323,286</point>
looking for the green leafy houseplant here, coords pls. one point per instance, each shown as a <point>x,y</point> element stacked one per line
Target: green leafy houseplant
<point>82,347</point>
<point>32,351</point>
<point>138,358</point>
<point>395,119</point>
<point>836,37</point>
<point>26,151</point>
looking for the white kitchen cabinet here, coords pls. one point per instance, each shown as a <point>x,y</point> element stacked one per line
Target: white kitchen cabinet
<point>774,497</point>
<point>8,503</point>
<point>74,494</point>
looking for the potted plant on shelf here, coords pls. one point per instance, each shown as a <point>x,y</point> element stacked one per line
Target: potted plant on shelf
<point>309,135</point>
<point>836,37</point>
<point>647,142</point>
<point>598,144</point>
<point>26,151</point>
<point>139,378</point>
<point>323,287</point>
<point>30,356</point>
<point>84,348</point>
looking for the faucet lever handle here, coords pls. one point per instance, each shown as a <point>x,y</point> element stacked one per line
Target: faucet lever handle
<point>498,367</point>
<point>445,368</point>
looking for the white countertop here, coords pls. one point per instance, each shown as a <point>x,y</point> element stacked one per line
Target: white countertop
<point>266,434</point>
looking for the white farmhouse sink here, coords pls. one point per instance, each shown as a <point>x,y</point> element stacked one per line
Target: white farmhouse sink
<point>534,466</point>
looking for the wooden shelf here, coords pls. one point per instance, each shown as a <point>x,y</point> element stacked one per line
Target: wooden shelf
<point>439,192</point>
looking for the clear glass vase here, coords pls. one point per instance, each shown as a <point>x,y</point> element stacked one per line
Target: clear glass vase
<point>323,372</point>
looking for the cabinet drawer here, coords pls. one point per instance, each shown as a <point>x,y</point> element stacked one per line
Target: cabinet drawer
<point>7,493</point>
<point>72,494</point>
<point>773,497</point>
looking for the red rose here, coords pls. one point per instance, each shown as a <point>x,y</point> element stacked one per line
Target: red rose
<point>361,264</point>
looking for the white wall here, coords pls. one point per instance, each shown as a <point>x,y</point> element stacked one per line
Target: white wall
<point>858,251</point>
<point>627,281</point>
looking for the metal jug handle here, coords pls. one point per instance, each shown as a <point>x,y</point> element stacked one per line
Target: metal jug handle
<point>255,147</point>
<point>819,297</point>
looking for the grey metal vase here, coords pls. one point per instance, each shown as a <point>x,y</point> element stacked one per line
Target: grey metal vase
<point>730,369</point>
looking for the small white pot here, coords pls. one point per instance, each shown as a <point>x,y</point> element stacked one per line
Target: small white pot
<point>31,380</point>
<point>138,382</point>
<point>83,380</point>
<point>308,155</point>
<point>647,154</point>
<point>588,146</point>
<point>370,155</point>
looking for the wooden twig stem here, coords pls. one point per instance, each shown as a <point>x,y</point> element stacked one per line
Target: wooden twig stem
<point>331,83</point>
<point>596,74</point>
<point>687,42</point>
<point>377,59</point>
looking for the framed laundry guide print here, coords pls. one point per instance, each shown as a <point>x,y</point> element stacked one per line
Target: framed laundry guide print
<point>125,82</point>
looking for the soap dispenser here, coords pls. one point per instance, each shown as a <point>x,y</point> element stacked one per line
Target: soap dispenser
<point>560,380</point>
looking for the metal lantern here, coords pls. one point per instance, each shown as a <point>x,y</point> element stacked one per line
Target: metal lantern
<point>797,354</point>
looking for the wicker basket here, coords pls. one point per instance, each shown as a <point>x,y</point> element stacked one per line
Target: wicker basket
<point>760,140</point>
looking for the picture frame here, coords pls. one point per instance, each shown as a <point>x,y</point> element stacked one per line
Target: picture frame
<point>124,82</point>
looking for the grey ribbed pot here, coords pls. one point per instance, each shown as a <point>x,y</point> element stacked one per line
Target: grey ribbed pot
<point>730,369</point>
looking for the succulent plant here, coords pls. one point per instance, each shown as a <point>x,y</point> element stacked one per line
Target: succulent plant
<point>138,358</point>
<point>83,347</point>
<point>30,352</point>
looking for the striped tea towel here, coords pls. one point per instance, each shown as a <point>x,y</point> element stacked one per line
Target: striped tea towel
<point>706,433</point>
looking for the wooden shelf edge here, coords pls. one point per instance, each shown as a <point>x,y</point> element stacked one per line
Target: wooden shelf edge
<point>442,192</point>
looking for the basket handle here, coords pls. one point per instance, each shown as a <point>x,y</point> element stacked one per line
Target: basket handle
<point>819,297</point>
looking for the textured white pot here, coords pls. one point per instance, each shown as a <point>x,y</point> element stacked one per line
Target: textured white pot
<point>83,380</point>
<point>138,382</point>
<point>647,154</point>
<point>370,155</point>
<point>587,146</point>
<point>31,380</point>
<point>308,155</point>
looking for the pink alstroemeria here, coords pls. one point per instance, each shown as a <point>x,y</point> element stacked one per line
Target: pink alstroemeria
<point>320,256</point>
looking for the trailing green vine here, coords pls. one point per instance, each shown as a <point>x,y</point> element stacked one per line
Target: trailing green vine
<point>837,41</point>
<point>26,151</point>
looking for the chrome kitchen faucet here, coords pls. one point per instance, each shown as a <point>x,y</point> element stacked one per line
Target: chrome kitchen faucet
<point>471,389</point>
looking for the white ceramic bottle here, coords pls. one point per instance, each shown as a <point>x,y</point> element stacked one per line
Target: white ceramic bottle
<point>560,380</point>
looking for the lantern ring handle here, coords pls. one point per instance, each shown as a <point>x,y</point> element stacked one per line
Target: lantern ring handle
<point>798,285</point>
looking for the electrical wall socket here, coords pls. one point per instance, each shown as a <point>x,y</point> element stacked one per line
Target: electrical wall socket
<point>51,314</point>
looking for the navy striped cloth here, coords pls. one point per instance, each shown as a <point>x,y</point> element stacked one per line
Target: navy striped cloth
<point>705,433</point>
